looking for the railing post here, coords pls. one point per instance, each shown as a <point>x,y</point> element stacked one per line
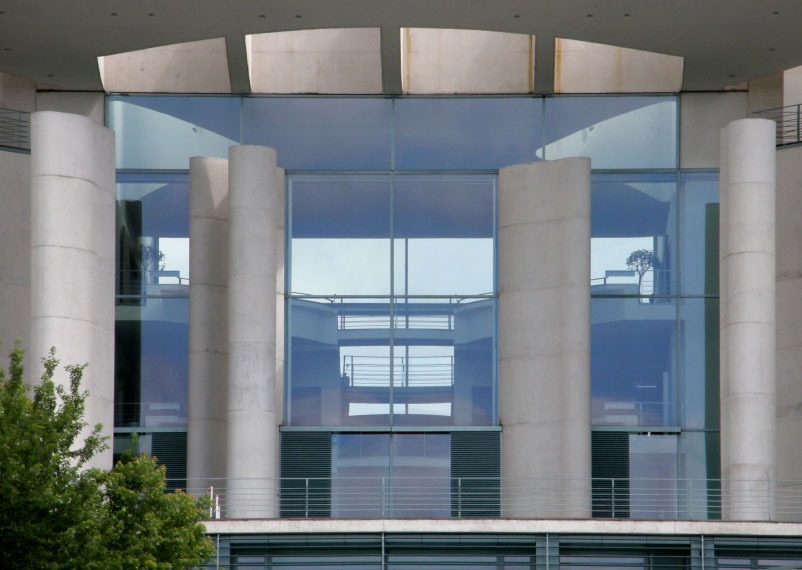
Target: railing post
<point>306,498</point>
<point>612,495</point>
<point>383,491</point>
<point>459,497</point>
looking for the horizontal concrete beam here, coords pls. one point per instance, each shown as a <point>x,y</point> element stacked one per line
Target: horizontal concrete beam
<point>498,526</point>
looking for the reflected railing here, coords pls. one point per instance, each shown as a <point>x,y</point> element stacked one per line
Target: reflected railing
<point>635,414</point>
<point>150,414</point>
<point>413,371</point>
<point>626,282</point>
<point>789,127</point>
<point>161,282</point>
<point>493,497</point>
<point>15,129</point>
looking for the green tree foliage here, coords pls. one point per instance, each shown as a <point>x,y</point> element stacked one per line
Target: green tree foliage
<point>56,513</point>
<point>143,526</point>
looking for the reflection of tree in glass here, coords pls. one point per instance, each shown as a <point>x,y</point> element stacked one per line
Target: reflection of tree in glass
<point>152,258</point>
<point>640,261</point>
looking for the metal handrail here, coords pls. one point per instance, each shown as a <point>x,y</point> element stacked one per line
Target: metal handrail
<point>494,497</point>
<point>789,126</point>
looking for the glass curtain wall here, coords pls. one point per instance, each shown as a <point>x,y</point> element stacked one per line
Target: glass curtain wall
<point>391,309</point>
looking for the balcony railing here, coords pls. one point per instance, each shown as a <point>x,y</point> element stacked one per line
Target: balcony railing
<point>490,497</point>
<point>789,128</point>
<point>15,129</point>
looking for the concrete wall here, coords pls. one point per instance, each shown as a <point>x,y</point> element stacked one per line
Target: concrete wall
<point>191,67</point>
<point>88,104</point>
<point>702,115</point>
<point>792,86</point>
<point>15,255</point>
<point>544,337</point>
<point>72,255</point>
<point>747,316</point>
<point>586,67</point>
<point>208,320</point>
<point>17,93</point>
<point>466,61</point>
<point>343,60</point>
<point>765,93</point>
<point>789,316</point>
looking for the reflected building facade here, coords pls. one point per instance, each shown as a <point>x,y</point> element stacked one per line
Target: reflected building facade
<point>392,290</point>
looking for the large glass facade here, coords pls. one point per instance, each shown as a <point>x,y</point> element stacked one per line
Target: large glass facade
<point>392,305</point>
<point>391,279</point>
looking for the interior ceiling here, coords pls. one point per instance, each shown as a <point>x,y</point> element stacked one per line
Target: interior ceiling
<point>723,41</point>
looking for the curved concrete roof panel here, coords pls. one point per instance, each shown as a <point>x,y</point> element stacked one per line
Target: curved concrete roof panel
<point>722,41</point>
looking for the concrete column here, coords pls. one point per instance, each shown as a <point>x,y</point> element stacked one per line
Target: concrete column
<point>544,337</point>
<point>254,204</point>
<point>747,282</point>
<point>72,256</point>
<point>208,321</point>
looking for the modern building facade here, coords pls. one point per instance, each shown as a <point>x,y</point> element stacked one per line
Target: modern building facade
<point>407,296</point>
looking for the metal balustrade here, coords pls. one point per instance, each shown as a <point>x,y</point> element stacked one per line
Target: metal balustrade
<point>15,129</point>
<point>789,128</point>
<point>490,497</point>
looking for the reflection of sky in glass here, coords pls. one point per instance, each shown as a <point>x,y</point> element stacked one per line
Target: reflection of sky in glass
<point>616,132</point>
<point>341,266</point>
<point>176,257</point>
<point>444,266</point>
<point>611,254</point>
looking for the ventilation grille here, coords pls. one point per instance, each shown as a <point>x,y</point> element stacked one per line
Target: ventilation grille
<point>170,448</point>
<point>610,471</point>
<point>305,474</point>
<point>475,474</point>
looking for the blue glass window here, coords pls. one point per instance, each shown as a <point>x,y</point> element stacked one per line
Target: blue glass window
<point>163,132</point>
<point>150,360</point>
<point>391,475</point>
<point>633,361</point>
<point>633,234</point>
<point>328,133</point>
<point>475,133</point>
<point>699,233</point>
<point>152,234</point>
<point>699,362</point>
<point>615,132</point>
<point>443,229</point>
<point>340,235</point>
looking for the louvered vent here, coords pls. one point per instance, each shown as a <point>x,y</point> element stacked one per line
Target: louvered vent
<point>170,448</point>
<point>305,474</point>
<point>610,469</point>
<point>475,474</point>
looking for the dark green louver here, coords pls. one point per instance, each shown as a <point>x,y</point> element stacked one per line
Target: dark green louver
<point>475,474</point>
<point>170,448</point>
<point>610,472</point>
<point>305,474</point>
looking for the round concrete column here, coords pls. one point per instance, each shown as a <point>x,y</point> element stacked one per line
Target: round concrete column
<point>544,337</point>
<point>252,451</point>
<point>208,321</point>
<point>747,281</point>
<point>72,257</point>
